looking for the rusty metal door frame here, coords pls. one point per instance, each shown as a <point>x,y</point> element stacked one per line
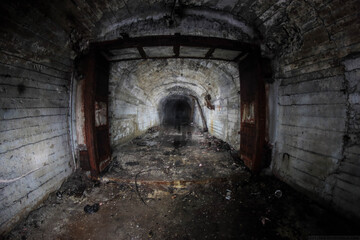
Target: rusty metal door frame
<point>96,91</point>
<point>252,111</point>
<point>97,138</point>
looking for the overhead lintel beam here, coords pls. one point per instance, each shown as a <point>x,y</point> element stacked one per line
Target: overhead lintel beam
<point>175,40</point>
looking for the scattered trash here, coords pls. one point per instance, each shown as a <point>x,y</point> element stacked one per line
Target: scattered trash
<point>228,194</point>
<point>264,219</point>
<point>278,193</point>
<point>192,203</point>
<point>141,144</point>
<point>96,183</point>
<point>59,195</point>
<point>92,209</point>
<point>153,129</point>
<point>167,170</point>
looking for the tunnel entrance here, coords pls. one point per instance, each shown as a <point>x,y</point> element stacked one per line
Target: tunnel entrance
<point>176,111</point>
<point>176,108</point>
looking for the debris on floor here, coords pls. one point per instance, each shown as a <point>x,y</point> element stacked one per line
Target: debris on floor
<point>278,193</point>
<point>92,208</point>
<point>183,194</point>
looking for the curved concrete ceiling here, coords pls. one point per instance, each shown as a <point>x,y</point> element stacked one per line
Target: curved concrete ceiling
<point>191,21</point>
<point>276,24</point>
<point>158,79</point>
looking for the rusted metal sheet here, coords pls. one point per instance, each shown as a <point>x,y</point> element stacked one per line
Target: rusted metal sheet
<point>89,112</point>
<point>101,100</point>
<point>84,160</point>
<point>96,113</point>
<point>252,94</point>
<point>103,147</point>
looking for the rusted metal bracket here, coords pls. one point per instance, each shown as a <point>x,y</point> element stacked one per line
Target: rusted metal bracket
<point>209,105</point>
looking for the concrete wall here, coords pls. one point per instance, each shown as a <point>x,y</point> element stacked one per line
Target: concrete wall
<point>34,101</point>
<point>316,147</point>
<point>224,121</point>
<point>131,111</point>
<point>346,189</point>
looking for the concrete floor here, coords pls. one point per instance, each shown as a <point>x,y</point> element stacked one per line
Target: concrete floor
<point>170,154</point>
<point>177,183</point>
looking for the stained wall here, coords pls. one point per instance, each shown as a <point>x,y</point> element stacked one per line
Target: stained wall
<point>35,75</point>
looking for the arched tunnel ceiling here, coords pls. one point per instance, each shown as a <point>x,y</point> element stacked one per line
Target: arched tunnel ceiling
<point>276,24</point>
<point>157,79</point>
<point>279,26</point>
<point>263,22</point>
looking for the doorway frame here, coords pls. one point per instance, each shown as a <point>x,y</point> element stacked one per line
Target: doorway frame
<point>247,52</point>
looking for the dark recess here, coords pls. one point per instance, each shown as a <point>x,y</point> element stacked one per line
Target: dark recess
<point>176,112</point>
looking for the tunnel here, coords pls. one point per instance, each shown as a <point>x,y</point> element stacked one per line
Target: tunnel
<point>179,119</point>
<point>176,111</point>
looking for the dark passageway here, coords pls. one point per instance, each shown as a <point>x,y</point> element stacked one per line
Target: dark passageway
<point>176,111</point>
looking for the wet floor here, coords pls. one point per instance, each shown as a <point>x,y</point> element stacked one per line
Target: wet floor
<point>178,183</point>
